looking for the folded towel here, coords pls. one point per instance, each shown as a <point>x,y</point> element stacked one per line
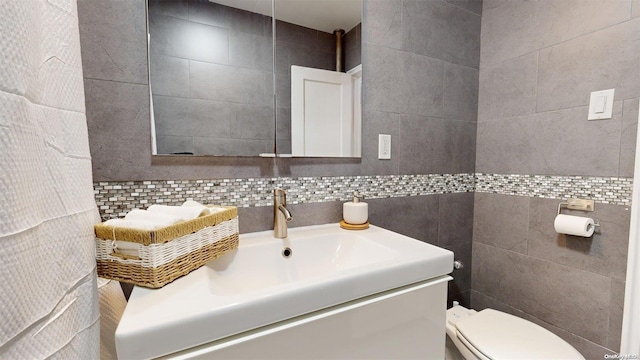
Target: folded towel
<point>131,224</point>
<point>206,209</point>
<point>195,204</point>
<point>192,203</point>
<point>154,218</point>
<point>128,248</point>
<point>181,212</point>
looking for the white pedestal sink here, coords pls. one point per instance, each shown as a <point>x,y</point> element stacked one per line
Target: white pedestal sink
<point>368,290</point>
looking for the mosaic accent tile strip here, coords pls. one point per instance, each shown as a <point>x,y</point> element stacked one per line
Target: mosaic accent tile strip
<point>606,190</point>
<point>115,199</point>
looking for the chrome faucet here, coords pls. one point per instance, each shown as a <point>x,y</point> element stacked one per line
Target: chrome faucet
<point>280,213</point>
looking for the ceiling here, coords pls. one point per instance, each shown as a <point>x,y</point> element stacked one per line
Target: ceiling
<point>324,15</point>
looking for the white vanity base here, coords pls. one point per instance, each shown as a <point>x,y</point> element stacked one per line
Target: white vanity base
<point>403,323</point>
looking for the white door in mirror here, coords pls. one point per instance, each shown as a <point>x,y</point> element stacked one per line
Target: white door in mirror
<point>322,109</point>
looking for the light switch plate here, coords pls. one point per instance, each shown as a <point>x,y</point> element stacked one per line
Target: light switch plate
<point>601,105</point>
<point>384,146</point>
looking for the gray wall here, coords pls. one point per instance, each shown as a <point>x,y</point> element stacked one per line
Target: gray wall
<point>420,74</point>
<point>539,62</point>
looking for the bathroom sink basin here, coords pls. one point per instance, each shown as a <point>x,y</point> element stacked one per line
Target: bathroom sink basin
<point>256,285</point>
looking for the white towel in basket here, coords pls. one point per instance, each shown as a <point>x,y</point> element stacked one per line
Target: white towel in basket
<point>154,218</point>
<point>181,212</point>
<point>206,210</point>
<point>132,224</point>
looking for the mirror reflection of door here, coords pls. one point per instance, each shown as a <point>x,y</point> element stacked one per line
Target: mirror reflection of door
<point>324,117</point>
<point>318,114</point>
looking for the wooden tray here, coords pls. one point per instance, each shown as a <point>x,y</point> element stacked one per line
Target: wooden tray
<point>348,226</point>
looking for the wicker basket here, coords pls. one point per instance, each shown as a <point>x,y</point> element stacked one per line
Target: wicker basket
<point>155,258</point>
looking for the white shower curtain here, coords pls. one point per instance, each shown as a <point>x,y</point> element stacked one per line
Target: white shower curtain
<point>48,294</point>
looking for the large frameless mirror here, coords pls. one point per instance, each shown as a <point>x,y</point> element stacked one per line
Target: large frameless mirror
<point>212,77</point>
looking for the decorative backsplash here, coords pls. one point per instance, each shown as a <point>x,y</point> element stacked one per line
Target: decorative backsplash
<point>606,190</point>
<point>115,199</point>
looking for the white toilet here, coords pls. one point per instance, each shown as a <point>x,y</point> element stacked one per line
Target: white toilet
<point>494,335</point>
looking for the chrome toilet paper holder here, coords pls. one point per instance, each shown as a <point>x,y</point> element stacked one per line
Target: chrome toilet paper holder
<point>578,204</point>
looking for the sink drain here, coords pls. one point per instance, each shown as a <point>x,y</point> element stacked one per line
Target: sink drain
<point>287,252</point>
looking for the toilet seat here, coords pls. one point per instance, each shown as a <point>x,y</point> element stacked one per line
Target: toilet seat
<point>494,335</point>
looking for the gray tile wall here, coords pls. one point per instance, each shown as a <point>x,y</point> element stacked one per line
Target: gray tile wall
<point>539,61</point>
<point>409,86</point>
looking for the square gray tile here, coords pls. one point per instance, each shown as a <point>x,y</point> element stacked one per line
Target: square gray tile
<point>113,40</point>
<point>403,82</point>
<point>509,30</point>
<point>382,23</point>
<point>188,40</point>
<point>456,218</point>
<point>251,51</point>
<point>442,31</point>
<point>252,122</point>
<point>501,221</point>
<point>436,146</point>
<point>169,75</point>
<point>508,88</point>
<point>415,216</point>
<point>226,83</point>
<point>460,92</point>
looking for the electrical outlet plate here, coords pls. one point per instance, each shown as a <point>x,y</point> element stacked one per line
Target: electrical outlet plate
<point>384,146</point>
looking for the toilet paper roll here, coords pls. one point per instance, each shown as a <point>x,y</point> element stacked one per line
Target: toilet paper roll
<point>574,225</point>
